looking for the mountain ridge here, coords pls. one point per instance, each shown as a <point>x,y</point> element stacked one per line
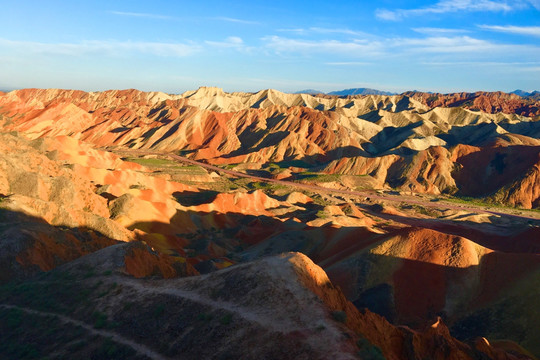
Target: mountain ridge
<point>378,136</point>
<point>143,225</point>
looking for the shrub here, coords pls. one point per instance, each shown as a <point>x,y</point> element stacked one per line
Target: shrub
<point>100,320</point>
<point>226,320</point>
<point>339,316</point>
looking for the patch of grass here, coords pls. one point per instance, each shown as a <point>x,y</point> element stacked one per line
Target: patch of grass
<point>467,200</point>
<point>29,336</point>
<point>152,162</point>
<point>260,185</point>
<point>204,317</point>
<point>100,320</point>
<point>112,350</point>
<point>293,163</point>
<point>78,345</point>
<point>318,199</point>
<point>159,310</point>
<point>189,168</point>
<point>14,318</point>
<point>339,316</point>
<point>21,351</point>
<point>318,177</point>
<point>369,351</point>
<point>90,273</point>
<point>226,319</point>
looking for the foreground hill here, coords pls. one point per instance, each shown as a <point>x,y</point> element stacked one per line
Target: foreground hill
<point>410,142</point>
<point>281,307</point>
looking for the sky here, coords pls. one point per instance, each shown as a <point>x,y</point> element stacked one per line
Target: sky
<point>175,46</point>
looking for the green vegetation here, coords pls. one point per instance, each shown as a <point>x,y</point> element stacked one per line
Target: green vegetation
<point>151,161</point>
<point>318,177</point>
<point>111,350</point>
<point>32,336</point>
<point>262,185</point>
<point>267,187</point>
<point>318,199</point>
<point>368,351</point>
<point>339,316</point>
<point>167,164</point>
<point>226,319</point>
<point>484,203</point>
<point>100,320</point>
<point>204,317</point>
<point>159,310</point>
<point>293,163</point>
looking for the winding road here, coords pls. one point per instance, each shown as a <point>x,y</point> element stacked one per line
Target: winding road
<point>408,199</point>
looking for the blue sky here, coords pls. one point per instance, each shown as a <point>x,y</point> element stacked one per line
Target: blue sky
<point>174,46</point>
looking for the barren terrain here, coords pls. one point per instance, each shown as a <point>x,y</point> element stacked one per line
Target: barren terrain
<point>269,225</point>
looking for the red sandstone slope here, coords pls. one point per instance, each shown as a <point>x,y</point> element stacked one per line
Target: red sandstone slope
<point>395,140</point>
<point>374,264</point>
<point>490,102</point>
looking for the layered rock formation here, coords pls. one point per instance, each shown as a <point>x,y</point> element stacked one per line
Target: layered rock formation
<point>68,203</point>
<point>411,141</point>
<point>490,102</point>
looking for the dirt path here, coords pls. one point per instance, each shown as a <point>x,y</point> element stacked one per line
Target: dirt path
<point>266,322</point>
<point>315,188</point>
<point>141,349</point>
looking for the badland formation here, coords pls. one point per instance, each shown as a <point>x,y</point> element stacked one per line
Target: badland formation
<point>214,225</point>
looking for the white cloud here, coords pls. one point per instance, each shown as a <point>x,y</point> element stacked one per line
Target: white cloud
<point>230,42</point>
<point>451,47</point>
<point>463,44</point>
<point>352,48</point>
<point>337,31</point>
<point>480,63</point>
<point>319,30</point>
<point>389,15</point>
<point>521,30</point>
<point>448,6</point>
<point>297,30</point>
<point>431,31</point>
<point>141,15</point>
<point>233,20</point>
<point>442,44</point>
<point>102,48</point>
<point>535,3</point>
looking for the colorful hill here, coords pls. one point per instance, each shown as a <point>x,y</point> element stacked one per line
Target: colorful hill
<point>105,235</point>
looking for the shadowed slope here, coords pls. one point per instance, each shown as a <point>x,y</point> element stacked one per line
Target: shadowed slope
<point>397,141</point>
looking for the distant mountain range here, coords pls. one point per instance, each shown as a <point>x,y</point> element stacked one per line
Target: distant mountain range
<point>360,91</point>
<point>310,92</point>
<point>534,94</point>
<point>347,92</point>
<point>368,91</point>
